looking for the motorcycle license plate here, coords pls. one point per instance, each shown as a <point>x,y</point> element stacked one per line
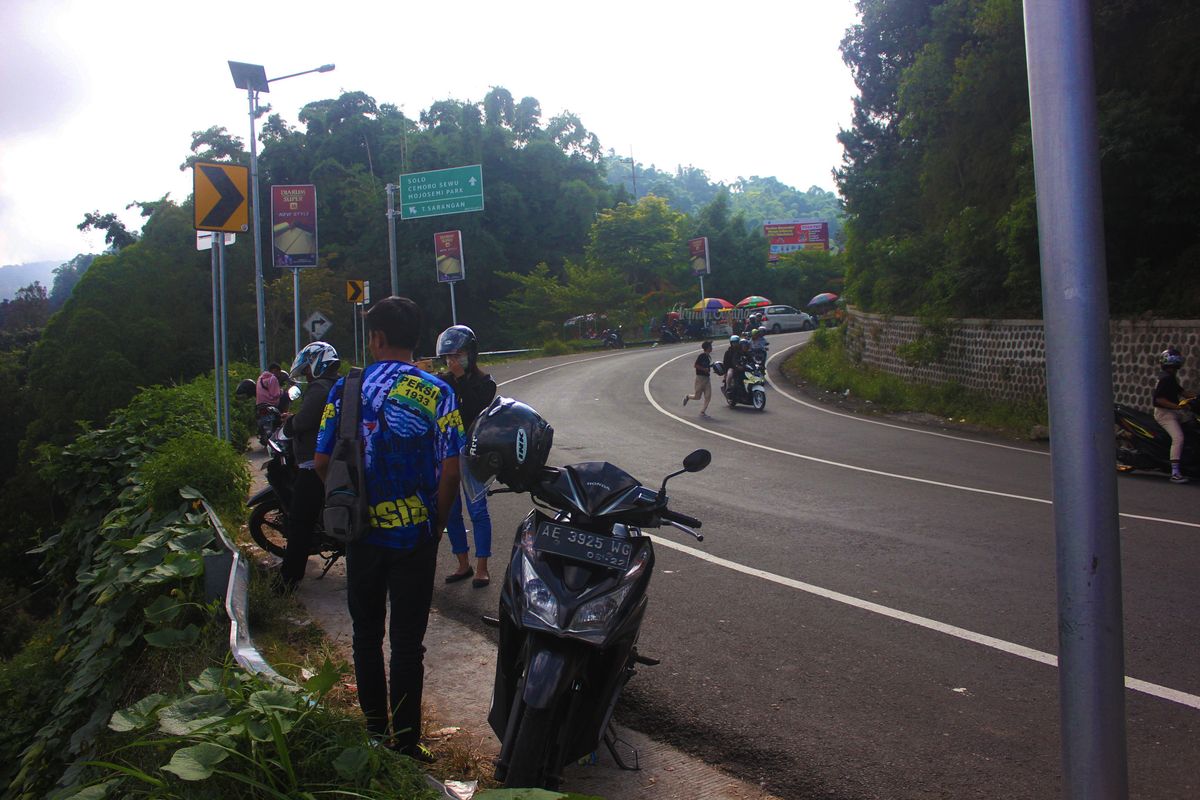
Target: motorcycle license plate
<point>580,545</point>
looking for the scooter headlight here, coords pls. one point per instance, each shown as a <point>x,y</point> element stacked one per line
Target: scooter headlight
<point>538,598</point>
<point>595,614</point>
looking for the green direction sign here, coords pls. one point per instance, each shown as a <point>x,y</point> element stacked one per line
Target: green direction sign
<point>442,191</point>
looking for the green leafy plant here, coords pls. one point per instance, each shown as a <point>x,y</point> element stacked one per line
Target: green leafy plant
<point>201,461</point>
<point>232,734</point>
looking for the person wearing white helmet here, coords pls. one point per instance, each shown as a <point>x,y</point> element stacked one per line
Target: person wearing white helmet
<point>318,365</point>
<point>729,359</point>
<point>1169,402</point>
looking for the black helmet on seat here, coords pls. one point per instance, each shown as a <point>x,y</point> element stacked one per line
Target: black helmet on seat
<point>246,388</point>
<point>509,442</point>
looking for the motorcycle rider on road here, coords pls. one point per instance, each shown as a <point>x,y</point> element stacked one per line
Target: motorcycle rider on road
<point>729,359</point>
<point>759,345</point>
<point>1168,409</point>
<point>318,364</point>
<point>743,360</point>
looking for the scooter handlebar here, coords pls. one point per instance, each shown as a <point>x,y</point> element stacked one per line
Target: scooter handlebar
<point>674,516</point>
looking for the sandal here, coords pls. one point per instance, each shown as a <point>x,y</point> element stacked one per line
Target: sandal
<point>455,577</point>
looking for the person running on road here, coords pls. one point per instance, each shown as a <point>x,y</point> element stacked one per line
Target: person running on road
<point>703,387</point>
<point>1168,398</point>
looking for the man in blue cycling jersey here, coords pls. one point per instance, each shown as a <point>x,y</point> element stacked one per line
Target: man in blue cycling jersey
<point>411,435</point>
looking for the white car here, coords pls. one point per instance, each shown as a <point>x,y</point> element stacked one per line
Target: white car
<point>777,319</point>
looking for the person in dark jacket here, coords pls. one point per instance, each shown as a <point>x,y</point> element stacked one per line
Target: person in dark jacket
<point>317,363</point>
<point>475,391</point>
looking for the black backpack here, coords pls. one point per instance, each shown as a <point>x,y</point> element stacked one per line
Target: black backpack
<point>346,517</point>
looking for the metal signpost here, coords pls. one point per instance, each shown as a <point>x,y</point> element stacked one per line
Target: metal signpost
<point>220,206</point>
<point>698,258</point>
<point>451,265</point>
<point>294,237</point>
<point>1066,161</point>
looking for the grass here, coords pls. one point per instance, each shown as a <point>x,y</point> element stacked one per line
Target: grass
<point>295,645</point>
<point>825,364</point>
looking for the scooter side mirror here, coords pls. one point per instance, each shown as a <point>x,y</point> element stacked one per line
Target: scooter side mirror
<point>293,392</point>
<point>697,460</point>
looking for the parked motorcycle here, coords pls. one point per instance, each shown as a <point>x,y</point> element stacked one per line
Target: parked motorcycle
<point>268,519</point>
<point>571,608</point>
<point>1143,444</point>
<point>266,419</point>
<point>751,392</point>
<point>613,338</point>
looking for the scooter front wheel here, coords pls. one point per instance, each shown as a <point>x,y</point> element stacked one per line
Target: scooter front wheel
<point>760,400</point>
<point>530,765</point>
<point>268,526</point>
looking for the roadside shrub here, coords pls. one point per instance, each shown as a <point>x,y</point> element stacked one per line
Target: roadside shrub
<point>202,462</point>
<point>555,347</point>
<point>30,683</point>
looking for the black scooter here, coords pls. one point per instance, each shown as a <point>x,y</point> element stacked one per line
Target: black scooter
<point>1143,444</point>
<point>268,519</point>
<point>571,607</point>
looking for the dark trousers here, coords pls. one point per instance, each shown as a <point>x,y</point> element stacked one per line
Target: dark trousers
<point>398,584</point>
<point>308,498</point>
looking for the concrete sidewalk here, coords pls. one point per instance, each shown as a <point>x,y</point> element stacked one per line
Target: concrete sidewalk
<point>459,665</point>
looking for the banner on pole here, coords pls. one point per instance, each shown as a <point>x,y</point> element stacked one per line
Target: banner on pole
<point>294,226</point>
<point>448,250</point>
<point>698,256</point>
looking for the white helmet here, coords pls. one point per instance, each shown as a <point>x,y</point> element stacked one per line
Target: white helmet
<point>320,356</point>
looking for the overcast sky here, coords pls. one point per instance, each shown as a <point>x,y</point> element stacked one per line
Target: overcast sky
<point>98,101</point>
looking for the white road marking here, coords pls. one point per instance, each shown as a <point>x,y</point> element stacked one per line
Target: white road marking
<point>1145,687</point>
<point>856,418</point>
<point>868,470</point>
<point>556,366</point>
<point>1135,684</point>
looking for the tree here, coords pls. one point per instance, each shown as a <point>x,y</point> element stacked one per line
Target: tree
<point>116,235</point>
<point>642,241</point>
<point>214,144</point>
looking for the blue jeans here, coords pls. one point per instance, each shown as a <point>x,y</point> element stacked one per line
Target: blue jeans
<point>481,525</point>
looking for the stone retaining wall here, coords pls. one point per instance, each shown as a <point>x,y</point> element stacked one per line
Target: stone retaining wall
<point>1007,357</point>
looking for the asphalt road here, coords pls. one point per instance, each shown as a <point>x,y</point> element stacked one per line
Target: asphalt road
<point>872,613</point>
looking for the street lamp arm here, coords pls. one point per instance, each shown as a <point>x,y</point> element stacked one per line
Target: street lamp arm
<point>322,68</point>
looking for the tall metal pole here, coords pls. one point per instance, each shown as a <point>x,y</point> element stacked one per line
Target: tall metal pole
<point>391,217</point>
<point>453,307</point>
<point>258,267</point>
<point>296,305</point>
<point>702,286</point>
<point>216,321</point>
<point>1062,96</point>
<point>219,242</point>
<point>354,319</point>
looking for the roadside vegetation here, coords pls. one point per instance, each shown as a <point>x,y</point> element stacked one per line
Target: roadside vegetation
<point>824,364</point>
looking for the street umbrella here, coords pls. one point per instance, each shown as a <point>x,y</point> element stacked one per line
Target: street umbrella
<point>823,297</point>
<point>753,301</point>
<point>712,304</point>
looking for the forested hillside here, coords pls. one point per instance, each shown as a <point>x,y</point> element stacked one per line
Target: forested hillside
<point>937,176</point>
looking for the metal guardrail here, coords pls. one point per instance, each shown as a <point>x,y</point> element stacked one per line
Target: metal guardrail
<point>237,606</point>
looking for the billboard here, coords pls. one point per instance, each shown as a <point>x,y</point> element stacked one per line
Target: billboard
<point>294,226</point>
<point>447,248</point>
<point>698,256</point>
<point>790,235</point>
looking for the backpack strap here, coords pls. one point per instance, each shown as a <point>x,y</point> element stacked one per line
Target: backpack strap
<point>348,427</point>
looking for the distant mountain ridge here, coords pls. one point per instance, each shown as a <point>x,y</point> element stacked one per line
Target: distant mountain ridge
<point>17,276</point>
